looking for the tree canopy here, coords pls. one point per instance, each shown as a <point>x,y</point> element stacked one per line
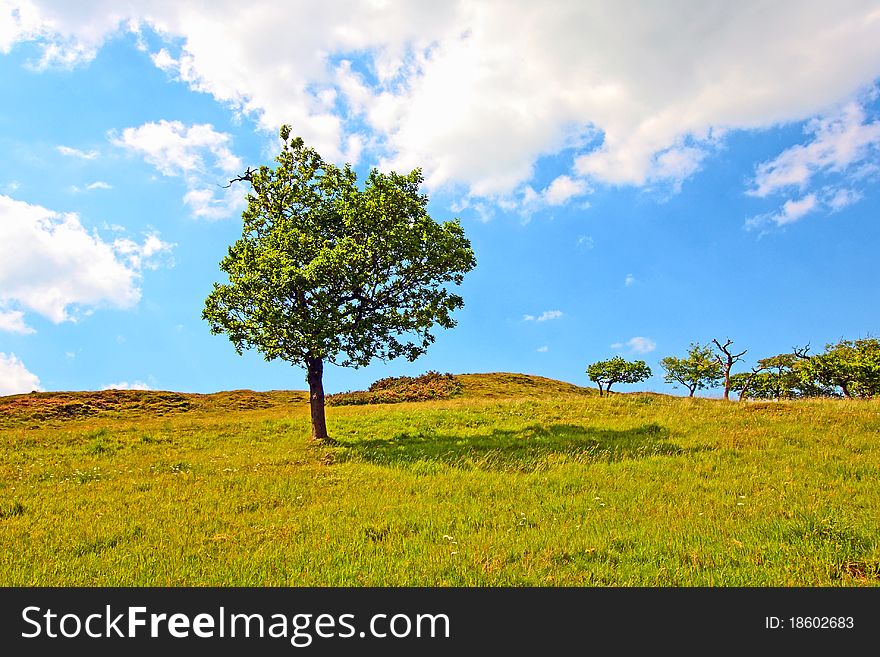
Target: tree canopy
<point>328,272</point>
<point>850,366</point>
<point>617,370</point>
<point>700,369</point>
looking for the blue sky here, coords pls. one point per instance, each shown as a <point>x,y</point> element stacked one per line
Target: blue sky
<point>633,178</point>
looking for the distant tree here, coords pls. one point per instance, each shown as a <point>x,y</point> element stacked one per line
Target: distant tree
<point>765,383</point>
<point>328,272</point>
<point>617,370</point>
<point>757,384</point>
<point>783,375</point>
<point>852,366</point>
<point>699,370</point>
<point>727,359</point>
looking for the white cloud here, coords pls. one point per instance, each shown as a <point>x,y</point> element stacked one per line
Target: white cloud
<point>125,385</point>
<point>164,60</point>
<point>639,93</point>
<point>175,149</point>
<point>791,211</point>
<point>839,142</point>
<point>543,317</point>
<point>14,376</point>
<point>629,281</point>
<point>50,264</point>
<point>562,189</point>
<point>98,184</point>
<point>143,256</point>
<point>75,152</point>
<point>844,147</point>
<point>197,153</point>
<point>641,345</point>
<point>543,350</point>
<point>12,321</point>
<point>549,314</point>
<point>637,345</point>
<point>840,198</point>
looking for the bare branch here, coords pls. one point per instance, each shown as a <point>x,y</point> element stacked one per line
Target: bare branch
<point>247,176</point>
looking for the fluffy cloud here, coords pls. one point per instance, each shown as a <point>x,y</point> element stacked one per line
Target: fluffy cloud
<point>840,198</point>
<point>14,376</point>
<point>637,345</point>
<point>629,280</point>
<point>791,211</point>
<point>838,143</point>
<point>641,345</point>
<point>842,151</point>
<point>175,149</point>
<point>197,153</point>
<point>562,189</point>
<point>142,256</point>
<point>50,264</point>
<point>634,93</point>
<point>12,321</point>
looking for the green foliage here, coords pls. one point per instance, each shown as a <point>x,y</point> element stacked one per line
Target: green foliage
<point>394,389</point>
<point>784,376</point>
<point>699,370</point>
<point>755,385</point>
<point>851,366</point>
<point>617,370</point>
<point>326,270</point>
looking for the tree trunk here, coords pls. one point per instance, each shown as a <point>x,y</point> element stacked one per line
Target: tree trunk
<point>692,391</point>
<point>727,385</point>
<point>846,392</point>
<point>315,377</point>
<point>608,389</point>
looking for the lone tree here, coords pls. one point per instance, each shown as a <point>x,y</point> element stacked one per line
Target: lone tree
<point>328,272</point>
<point>617,370</point>
<point>727,359</point>
<point>699,370</point>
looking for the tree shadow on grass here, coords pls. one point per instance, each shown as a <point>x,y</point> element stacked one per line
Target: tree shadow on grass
<point>531,449</point>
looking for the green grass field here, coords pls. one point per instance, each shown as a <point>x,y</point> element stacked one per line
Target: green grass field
<point>517,481</point>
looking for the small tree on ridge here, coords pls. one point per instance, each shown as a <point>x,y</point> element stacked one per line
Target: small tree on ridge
<point>617,370</point>
<point>699,370</point>
<point>727,359</point>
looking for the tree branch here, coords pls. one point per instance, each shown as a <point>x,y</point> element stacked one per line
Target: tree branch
<point>247,176</point>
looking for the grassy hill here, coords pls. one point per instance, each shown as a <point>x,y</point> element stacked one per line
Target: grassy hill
<point>516,480</point>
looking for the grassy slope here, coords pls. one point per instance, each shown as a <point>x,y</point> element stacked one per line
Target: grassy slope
<point>520,480</point>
